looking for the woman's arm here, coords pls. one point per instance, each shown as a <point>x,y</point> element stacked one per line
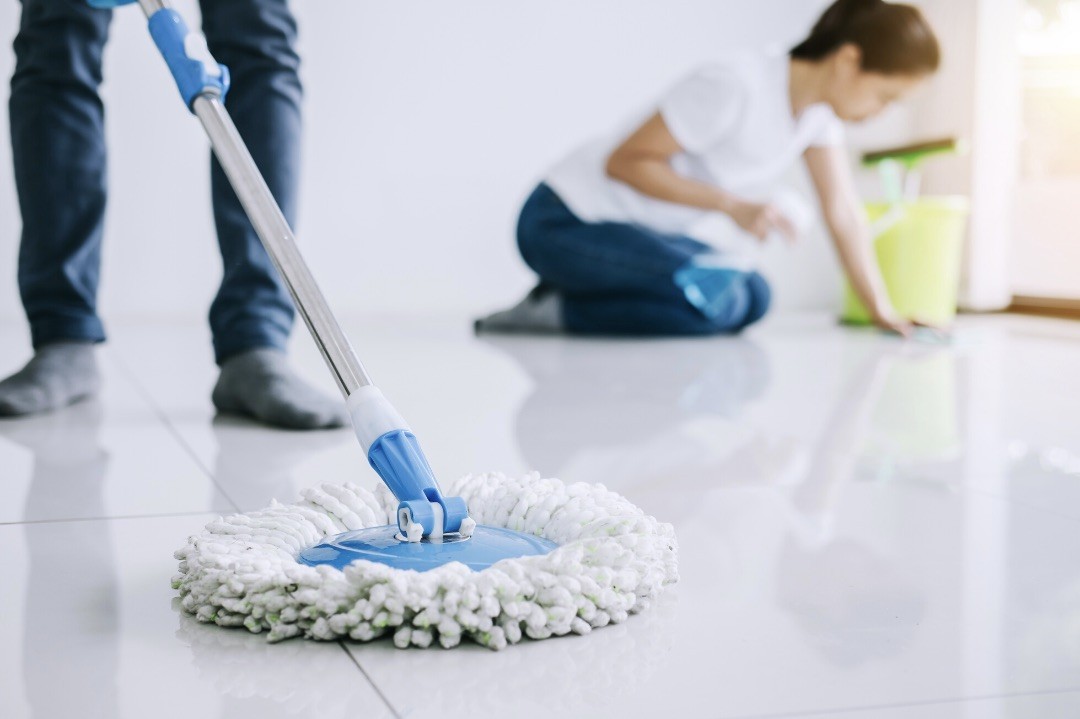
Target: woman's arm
<point>840,204</point>
<point>643,161</point>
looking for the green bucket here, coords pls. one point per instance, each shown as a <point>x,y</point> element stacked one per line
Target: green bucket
<point>919,256</point>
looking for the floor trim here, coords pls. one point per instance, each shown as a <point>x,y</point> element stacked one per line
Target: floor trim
<point>1045,307</point>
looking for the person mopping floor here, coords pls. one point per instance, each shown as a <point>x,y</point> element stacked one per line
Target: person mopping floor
<point>58,147</point>
<point>610,231</point>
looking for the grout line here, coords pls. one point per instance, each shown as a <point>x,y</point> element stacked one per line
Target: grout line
<point>374,686</point>
<point>162,515</point>
<point>170,427</point>
<point>904,705</point>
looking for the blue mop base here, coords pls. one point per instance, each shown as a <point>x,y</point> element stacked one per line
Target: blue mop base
<point>485,547</point>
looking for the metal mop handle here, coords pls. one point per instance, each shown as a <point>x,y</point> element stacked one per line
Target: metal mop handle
<point>276,235</point>
<point>280,244</point>
<point>391,447</point>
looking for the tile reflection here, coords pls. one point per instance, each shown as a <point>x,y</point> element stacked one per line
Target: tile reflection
<point>694,442</point>
<point>295,678</point>
<point>572,675</point>
<point>612,408</point>
<point>69,461</point>
<point>254,464</point>
<point>850,623</point>
<point>69,473</point>
<point>916,428</point>
<point>700,415</point>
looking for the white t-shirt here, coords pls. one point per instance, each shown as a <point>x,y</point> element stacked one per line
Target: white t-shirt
<point>734,123</point>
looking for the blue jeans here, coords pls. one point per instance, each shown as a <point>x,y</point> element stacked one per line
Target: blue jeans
<point>618,279</point>
<point>58,147</point>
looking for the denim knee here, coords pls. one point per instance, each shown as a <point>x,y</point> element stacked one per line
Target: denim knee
<point>760,298</point>
<point>542,209</point>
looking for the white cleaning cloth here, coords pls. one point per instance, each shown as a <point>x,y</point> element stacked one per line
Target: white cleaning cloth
<point>612,560</point>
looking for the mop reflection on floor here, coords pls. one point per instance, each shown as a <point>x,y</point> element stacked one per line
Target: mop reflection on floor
<point>619,659</point>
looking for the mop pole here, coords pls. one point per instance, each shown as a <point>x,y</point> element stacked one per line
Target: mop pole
<point>391,447</point>
<point>265,215</point>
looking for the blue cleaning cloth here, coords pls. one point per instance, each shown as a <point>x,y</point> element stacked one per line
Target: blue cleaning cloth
<point>714,290</point>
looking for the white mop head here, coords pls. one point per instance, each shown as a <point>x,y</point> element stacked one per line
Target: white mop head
<point>611,561</point>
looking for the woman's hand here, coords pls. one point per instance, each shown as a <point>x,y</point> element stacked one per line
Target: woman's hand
<point>761,220</point>
<point>890,321</point>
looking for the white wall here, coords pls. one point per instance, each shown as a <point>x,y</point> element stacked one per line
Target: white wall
<point>427,124</point>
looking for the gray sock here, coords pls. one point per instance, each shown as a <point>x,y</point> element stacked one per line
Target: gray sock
<point>540,311</point>
<point>261,385</point>
<point>59,374</point>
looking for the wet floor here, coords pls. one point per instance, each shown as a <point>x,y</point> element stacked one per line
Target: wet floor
<point>868,528</point>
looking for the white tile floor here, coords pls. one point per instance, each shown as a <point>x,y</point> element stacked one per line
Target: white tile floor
<point>868,528</point>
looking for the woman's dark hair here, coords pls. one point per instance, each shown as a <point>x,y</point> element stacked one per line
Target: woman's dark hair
<point>894,39</point>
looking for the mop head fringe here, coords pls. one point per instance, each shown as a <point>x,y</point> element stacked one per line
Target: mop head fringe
<point>612,560</point>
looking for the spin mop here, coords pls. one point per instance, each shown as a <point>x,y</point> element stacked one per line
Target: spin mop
<point>545,559</point>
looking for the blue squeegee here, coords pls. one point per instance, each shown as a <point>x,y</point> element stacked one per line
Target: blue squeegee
<point>431,529</point>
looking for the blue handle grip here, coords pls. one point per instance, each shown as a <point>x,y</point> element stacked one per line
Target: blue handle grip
<point>195,71</point>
